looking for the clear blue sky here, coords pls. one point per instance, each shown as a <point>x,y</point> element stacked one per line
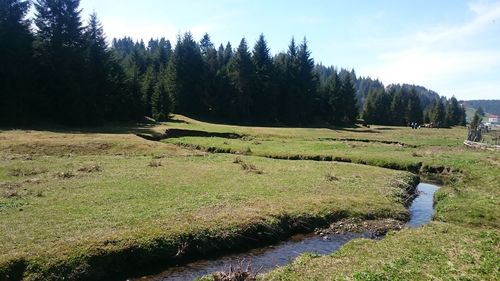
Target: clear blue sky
<point>450,46</point>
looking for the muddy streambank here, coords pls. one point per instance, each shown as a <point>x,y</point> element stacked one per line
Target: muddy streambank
<point>322,241</point>
<point>434,173</point>
<point>170,252</point>
<point>179,133</point>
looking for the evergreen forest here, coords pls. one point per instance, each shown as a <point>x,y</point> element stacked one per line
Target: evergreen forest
<point>58,67</point>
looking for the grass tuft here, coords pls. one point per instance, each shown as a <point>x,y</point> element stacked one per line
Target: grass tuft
<point>249,168</point>
<point>238,272</point>
<point>331,177</point>
<point>90,168</point>
<point>154,163</point>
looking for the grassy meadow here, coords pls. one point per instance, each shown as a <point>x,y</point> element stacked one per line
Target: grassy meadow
<point>102,203</point>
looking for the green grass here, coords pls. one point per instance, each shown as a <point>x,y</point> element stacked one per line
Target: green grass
<point>439,251</point>
<point>58,219</point>
<point>61,211</point>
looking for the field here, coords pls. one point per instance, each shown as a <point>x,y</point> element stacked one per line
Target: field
<point>104,203</point>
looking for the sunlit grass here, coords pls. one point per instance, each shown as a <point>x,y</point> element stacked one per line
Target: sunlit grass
<point>68,196</point>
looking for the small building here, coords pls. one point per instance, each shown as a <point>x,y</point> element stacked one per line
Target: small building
<point>494,119</point>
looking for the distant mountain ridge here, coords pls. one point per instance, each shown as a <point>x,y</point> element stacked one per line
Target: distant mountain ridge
<point>489,106</point>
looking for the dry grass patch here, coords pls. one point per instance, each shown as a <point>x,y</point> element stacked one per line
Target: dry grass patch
<point>27,172</point>
<point>155,163</point>
<point>90,168</point>
<point>247,167</point>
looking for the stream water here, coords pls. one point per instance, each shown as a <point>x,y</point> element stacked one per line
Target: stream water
<point>266,259</point>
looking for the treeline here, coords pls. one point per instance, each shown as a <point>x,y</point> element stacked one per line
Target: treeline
<point>401,105</point>
<point>242,85</point>
<point>65,72</point>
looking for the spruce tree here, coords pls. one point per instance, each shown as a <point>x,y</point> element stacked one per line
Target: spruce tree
<point>348,94</point>
<point>241,73</point>
<point>161,101</point>
<point>414,110</point>
<point>398,107</point>
<point>291,97</point>
<point>59,50</point>
<point>334,101</point>
<point>263,100</point>
<point>480,112</point>
<point>437,113</point>
<point>453,113</point>
<point>209,79</point>
<point>148,87</point>
<point>16,64</point>
<point>97,88</point>
<point>307,84</point>
<point>186,72</point>
<point>463,116</point>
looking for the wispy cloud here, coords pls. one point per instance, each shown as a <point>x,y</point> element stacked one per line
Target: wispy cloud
<point>443,57</point>
<point>486,15</point>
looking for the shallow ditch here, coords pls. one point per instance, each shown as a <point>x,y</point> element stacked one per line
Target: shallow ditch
<point>321,242</point>
<point>179,133</point>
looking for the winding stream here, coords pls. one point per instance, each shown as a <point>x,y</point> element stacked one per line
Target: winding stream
<point>266,259</point>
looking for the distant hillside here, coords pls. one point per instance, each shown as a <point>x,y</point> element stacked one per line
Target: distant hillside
<point>489,106</point>
<point>427,97</point>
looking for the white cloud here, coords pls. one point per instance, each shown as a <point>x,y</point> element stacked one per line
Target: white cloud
<point>485,15</point>
<point>444,58</point>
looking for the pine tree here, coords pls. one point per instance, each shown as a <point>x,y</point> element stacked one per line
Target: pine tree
<point>453,113</point>
<point>186,72</point>
<point>480,112</point>
<point>263,101</point>
<point>348,94</point>
<point>307,84</point>
<point>97,88</point>
<point>376,108</point>
<point>148,87</point>
<point>281,86</point>
<point>228,54</point>
<point>398,107</point>
<point>291,97</point>
<point>463,116</point>
<point>333,109</point>
<point>476,121</point>
<point>15,62</point>
<point>161,101</point>
<point>437,113</point>
<point>241,73</point>
<point>59,49</point>
<point>210,69</point>
<point>369,111</point>
<point>414,109</point>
